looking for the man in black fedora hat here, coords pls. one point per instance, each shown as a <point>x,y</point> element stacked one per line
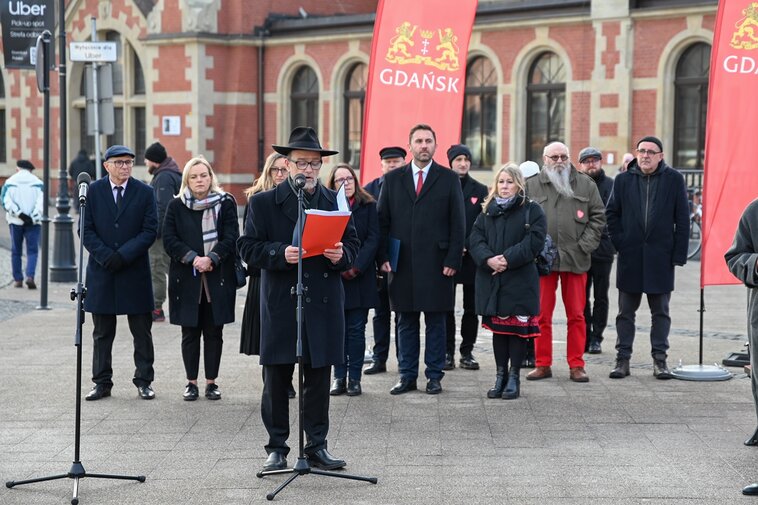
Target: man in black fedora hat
<point>267,244</point>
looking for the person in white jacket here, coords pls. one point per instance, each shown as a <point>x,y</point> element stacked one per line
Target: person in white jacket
<point>22,199</point>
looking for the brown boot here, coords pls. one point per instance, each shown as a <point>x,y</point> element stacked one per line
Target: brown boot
<point>540,372</point>
<point>578,375</point>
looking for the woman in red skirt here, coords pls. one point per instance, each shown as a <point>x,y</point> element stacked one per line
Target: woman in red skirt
<point>503,245</point>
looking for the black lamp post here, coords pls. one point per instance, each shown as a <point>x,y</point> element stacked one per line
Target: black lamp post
<point>63,266</point>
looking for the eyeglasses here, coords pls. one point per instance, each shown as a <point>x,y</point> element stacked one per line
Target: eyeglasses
<point>122,163</point>
<point>302,164</point>
<point>648,152</point>
<point>556,157</point>
<point>279,170</point>
<point>344,180</point>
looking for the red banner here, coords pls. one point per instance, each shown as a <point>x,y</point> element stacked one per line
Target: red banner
<point>417,74</point>
<point>731,177</point>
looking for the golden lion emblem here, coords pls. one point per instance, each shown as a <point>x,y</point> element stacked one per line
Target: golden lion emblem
<point>400,42</point>
<point>746,36</point>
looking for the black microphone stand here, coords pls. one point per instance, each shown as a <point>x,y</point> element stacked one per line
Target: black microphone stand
<point>302,467</point>
<point>77,470</point>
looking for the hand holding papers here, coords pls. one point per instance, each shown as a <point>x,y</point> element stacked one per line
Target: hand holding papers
<point>323,229</point>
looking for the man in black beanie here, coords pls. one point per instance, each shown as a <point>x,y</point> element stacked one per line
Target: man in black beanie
<point>649,223</point>
<point>167,178</point>
<point>474,193</point>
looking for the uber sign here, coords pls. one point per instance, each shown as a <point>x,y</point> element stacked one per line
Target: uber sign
<point>22,22</point>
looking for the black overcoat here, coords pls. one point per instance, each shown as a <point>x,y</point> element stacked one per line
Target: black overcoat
<point>516,291</point>
<point>130,232</point>
<point>474,194</point>
<point>269,230</point>
<point>183,234</point>
<point>431,230</point>
<point>361,292</point>
<point>648,221</point>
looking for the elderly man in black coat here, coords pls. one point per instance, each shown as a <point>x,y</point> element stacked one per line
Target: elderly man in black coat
<point>421,222</point>
<point>649,223</point>
<point>120,225</point>
<point>267,244</point>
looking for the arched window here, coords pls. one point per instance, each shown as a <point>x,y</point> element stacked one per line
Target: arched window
<point>129,100</point>
<point>546,104</point>
<point>690,105</point>
<point>480,112</point>
<point>3,129</point>
<point>304,99</point>
<point>354,98</point>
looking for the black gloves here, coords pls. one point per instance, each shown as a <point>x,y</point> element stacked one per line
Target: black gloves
<point>114,263</point>
<point>28,221</point>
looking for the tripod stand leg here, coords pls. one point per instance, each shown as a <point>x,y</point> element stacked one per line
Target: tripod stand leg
<point>372,480</point>
<point>12,483</point>
<point>284,484</point>
<point>75,498</point>
<point>139,478</point>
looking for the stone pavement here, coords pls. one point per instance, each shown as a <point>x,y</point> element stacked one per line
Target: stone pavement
<point>637,440</point>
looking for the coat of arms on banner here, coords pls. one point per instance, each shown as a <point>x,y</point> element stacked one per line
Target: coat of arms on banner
<point>746,36</point>
<point>408,46</point>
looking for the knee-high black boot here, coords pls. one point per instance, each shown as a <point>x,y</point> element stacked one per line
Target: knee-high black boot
<point>513,388</point>
<point>753,440</point>
<point>497,390</point>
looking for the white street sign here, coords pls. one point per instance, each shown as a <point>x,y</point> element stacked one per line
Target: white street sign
<point>93,51</point>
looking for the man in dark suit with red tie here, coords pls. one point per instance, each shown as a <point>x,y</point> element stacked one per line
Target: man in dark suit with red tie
<point>421,211</point>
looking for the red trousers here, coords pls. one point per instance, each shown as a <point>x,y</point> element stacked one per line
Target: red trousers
<point>574,297</point>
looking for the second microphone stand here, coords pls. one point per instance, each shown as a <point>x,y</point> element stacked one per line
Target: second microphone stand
<point>301,466</point>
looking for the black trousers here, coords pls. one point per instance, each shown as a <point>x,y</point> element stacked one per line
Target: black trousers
<point>596,314</point>
<point>213,343</point>
<point>103,335</point>
<point>659,329</point>
<point>469,324</point>
<point>275,410</point>
<point>381,323</point>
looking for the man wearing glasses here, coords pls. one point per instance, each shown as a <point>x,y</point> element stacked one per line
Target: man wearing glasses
<point>120,225</point>
<point>575,221</point>
<point>267,244</point>
<point>648,220</point>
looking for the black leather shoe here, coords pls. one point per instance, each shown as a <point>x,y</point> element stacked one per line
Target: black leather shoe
<point>322,459</point>
<point>751,490</point>
<point>620,370</point>
<point>353,387</point>
<point>468,362</point>
<point>338,387</point>
<point>449,362</point>
<point>661,370</point>
<point>753,440</point>
<point>595,347</point>
<point>146,392</point>
<point>403,386</point>
<point>275,461</point>
<point>212,392</point>
<point>99,391</point>
<point>375,368</point>
<point>291,391</point>
<point>190,392</point>
<point>433,387</point>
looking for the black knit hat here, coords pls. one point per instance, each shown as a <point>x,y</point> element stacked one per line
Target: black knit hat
<point>156,153</point>
<point>25,164</point>
<point>654,140</point>
<point>456,150</point>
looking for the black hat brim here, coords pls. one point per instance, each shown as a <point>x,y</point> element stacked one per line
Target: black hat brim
<point>285,150</point>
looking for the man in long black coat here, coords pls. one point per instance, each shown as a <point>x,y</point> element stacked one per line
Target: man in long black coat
<point>421,221</point>
<point>474,193</point>
<point>120,225</point>
<point>648,220</point>
<point>267,244</point>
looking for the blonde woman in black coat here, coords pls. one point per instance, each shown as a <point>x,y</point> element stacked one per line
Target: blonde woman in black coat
<point>503,245</point>
<point>200,234</point>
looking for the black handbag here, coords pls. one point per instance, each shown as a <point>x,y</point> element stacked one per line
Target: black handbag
<point>545,258</point>
<point>240,272</point>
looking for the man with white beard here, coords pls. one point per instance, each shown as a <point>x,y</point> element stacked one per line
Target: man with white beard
<point>575,220</point>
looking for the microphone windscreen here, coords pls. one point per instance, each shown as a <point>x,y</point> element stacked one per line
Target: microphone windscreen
<point>300,181</point>
<point>83,178</point>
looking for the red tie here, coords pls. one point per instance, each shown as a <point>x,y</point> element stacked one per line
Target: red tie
<point>420,182</point>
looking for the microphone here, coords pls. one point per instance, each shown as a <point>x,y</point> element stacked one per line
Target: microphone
<point>83,181</point>
<point>299,181</point>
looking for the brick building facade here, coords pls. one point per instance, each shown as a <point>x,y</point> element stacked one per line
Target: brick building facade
<point>238,74</point>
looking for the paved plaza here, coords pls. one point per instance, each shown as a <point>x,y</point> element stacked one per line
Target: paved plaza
<point>637,440</point>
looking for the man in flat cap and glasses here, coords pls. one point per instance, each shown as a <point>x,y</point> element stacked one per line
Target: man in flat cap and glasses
<point>599,274</point>
<point>267,244</point>
<point>649,224</point>
<point>391,157</point>
<point>120,225</point>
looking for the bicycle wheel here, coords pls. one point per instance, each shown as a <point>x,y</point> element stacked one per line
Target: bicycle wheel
<point>696,240</point>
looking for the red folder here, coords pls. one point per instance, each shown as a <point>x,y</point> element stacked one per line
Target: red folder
<point>323,229</point>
